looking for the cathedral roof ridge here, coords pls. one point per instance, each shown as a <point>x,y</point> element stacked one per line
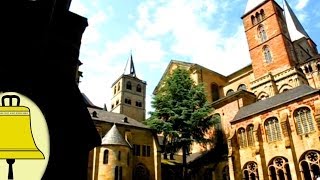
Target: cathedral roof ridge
<point>274,101</point>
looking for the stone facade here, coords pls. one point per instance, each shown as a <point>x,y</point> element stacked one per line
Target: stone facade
<point>133,153</point>
<point>269,110</point>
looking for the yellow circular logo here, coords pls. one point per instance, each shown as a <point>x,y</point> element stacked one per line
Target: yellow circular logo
<point>24,138</point>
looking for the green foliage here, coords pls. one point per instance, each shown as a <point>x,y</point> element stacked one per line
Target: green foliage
<point>181,111</point>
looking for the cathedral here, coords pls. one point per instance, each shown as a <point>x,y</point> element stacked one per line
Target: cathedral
<point>129,149</point>
<point>269,110</point>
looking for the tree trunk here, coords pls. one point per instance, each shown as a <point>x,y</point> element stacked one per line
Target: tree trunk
<point>184,162</point>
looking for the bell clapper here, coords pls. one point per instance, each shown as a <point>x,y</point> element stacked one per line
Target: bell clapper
<point>10,173</point>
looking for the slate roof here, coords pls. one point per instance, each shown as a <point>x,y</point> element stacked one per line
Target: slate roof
<point>277,100</point>
<point>295,28</point>
<point>117,118</point>
<point>113,137</point>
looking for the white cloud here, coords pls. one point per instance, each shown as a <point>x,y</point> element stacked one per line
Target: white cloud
<point>187,22</point>
<point>301,4</point>
<point>78,7</point>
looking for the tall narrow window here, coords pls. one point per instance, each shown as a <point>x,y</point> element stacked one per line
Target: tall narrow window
<point>304,122</point>
<point>128,86</point>
<point>119,155</point>
<point>120,173</point>
<point>144,150</point>
<point>214,92</point>
<point>105,156</point>
<point>118,86</point>
<point>267,54</point>
<point>242,137</point>
<point>115,90</point>
<point>263,16</point>
<point>250,135</point>
<point>138,88</point>
<point>253,20</point>
<point>116,173</point>
<point>262,33</point>
<point>148,151</point>
<point>258,17</point>
<point>272,129</point>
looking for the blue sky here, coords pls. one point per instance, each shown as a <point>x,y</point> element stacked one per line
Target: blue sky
<point>207,32</point>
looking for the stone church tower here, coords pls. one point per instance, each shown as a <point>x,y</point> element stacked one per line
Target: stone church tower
<point>271,33</point>
<point>129,94</point>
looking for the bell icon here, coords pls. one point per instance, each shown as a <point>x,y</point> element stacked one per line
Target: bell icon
<point>16,139</point>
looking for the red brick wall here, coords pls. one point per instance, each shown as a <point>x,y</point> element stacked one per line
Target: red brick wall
<point>281,59</point>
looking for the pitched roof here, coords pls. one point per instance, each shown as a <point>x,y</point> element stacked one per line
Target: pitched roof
<point>113,137</point>
<point>88,102</point>
<point>117,118</point>
<point>274,101</point>
<point>296,30</point>
<point>183,64</point>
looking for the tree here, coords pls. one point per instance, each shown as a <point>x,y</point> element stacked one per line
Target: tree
<point>181,113</point>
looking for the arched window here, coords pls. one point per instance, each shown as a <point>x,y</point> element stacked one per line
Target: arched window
<point>250,171</point>
<point>115,90</point>
<point>105,156</point>
<point>116,173</point>
<point>310,164</point>
<point>272,129</point>
<point>279,169</point>
<point>258,17</point>
<point>230,91</point>
<point>242,137</point>
<point>253,20</point>
<point>262,33</point>
<point>138,103</point>
<point>263,16</point>
<point>304,122</point>
<point>310,68</point>
<point>242,86</point>
<point>118,86</point>
<point>138,88</point>
<point>127,100</point>
<point>141,172</point>
<point>267,54</point>
<point>306,69</point>
<point>250,135</point>
<point>225,173</point>
<point>128,86</point>
<point>214,92</point>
